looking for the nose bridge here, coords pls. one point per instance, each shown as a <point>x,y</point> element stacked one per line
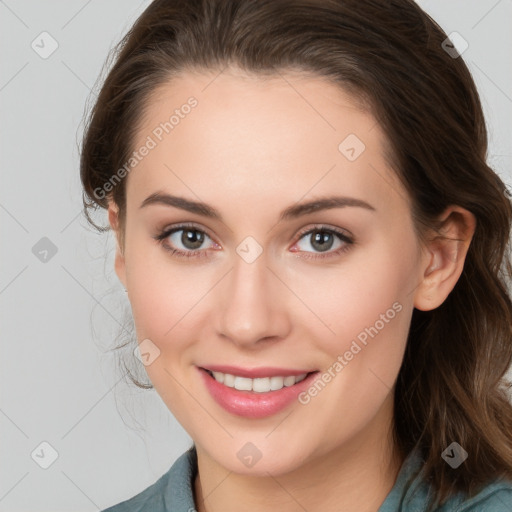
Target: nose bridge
<point>250,309</point>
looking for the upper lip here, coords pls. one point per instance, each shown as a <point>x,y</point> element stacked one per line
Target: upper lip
<point>254,373</point>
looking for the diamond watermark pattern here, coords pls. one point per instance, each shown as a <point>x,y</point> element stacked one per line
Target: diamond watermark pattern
<point>44,250</point>
<point>351,147</point>
<point>454,45</point>
<point>44,455</point>
<point>44,45</point>
<point>146,352</point>
<point>249,454</point>
<point>249,250</point>
<point>454,455</point>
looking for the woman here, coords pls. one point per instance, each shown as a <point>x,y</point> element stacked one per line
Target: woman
<point>315,252</point>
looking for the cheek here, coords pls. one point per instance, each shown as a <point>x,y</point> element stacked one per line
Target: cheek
<point>371,308</point>
<point>165,301</point>
<point>166,297</point>
<point>363,298</point>
<point>368,305</point>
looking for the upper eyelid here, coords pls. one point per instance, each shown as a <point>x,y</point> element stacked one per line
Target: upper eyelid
<point>185,225</point>
<point>325,227</point>
<point>169,230</point>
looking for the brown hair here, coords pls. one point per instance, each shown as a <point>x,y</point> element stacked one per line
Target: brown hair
<point>389,53</point>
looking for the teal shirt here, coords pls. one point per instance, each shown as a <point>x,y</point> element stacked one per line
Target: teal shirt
<point>174,492</point>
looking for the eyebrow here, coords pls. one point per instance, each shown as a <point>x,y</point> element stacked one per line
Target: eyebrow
<point>292,212</point>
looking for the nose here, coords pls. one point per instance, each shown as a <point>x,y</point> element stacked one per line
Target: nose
<point>252,305</point>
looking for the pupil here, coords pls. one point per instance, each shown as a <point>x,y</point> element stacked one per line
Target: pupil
<point>322,240</point>
<point>192,239</point>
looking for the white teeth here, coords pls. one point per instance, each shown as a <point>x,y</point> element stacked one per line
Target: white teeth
<point>243,384</point>
<point>289,381</point>
<point>219,377</point>
<point>229,380</point>
<point>276,383</point>
<point>259,385</point>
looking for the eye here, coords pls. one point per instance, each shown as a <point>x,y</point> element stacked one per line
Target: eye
<point>185,241</point>
<point>188,240</point>
<point>324,240</point>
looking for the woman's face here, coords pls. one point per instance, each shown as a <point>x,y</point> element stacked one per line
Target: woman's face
<point>269,284</point>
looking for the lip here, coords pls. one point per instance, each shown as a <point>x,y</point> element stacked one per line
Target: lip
<point>250,404</point>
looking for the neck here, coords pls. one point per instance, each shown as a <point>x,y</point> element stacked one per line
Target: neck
<point>355,477</point>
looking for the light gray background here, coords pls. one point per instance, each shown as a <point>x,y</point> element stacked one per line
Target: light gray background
<point>58,317</point>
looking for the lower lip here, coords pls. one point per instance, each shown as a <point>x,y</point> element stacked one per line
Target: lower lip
<point>250,404</point>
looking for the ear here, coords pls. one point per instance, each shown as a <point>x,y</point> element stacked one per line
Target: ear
<point>119,263</point>
<point>444,258</point>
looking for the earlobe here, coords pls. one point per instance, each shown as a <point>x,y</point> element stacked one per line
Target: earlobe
<point>444,258</point>
<point>119,262</point>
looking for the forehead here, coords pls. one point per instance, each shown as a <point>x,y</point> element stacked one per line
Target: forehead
<point>305,105</point>
<point>279,136</point>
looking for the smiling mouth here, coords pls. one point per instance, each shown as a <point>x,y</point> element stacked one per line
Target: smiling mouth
<point>257,385</point>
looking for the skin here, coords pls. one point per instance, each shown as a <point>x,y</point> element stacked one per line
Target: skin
<point>251,148</point>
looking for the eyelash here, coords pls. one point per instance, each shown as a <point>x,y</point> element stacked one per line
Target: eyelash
<point>201,253</point>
